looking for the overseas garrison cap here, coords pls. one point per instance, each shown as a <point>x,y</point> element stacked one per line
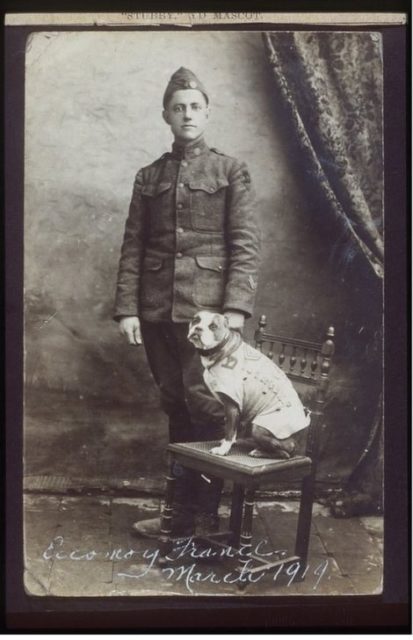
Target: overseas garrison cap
<point>183,79</point>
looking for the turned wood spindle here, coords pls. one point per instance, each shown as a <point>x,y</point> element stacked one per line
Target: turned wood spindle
<point>303,362</point>
<point>314,364</point>
<point>281,356</point>
<point>262,323</point>
<point>293,359</point>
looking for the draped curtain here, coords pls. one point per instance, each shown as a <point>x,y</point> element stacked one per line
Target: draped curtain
<point>330,85</point>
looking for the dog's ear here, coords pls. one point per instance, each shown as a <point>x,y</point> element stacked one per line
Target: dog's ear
<point>225,321</point>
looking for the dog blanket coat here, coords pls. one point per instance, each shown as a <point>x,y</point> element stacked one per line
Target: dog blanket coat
<point>264,394</point>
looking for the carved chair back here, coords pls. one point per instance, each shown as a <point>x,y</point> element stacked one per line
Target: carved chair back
<point>308,365</point>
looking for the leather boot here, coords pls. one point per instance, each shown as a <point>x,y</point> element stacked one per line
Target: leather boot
<point>182,525</point>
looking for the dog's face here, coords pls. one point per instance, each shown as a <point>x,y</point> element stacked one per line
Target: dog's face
<point>207,329</point>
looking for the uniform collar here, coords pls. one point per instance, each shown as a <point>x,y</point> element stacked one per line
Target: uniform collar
<point>191,150</point>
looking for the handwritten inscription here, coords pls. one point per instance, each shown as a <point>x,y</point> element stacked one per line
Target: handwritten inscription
<point>186,557</point>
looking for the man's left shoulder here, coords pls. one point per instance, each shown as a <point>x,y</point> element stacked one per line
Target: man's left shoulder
<point>226,157</point>
<point>218,152</point>
<point>232,165</point>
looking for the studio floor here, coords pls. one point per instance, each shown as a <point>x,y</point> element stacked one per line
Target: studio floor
<point>83,546</point>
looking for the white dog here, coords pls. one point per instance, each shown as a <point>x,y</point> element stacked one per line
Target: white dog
<point>250,386</point>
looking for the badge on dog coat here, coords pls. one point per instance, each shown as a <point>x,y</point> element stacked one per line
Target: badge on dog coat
<point>262,392</point>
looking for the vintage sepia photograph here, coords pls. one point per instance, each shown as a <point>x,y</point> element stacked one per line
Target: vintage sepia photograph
<point>203,312</point>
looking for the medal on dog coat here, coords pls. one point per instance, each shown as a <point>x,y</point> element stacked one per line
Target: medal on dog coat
<point>261,390</point>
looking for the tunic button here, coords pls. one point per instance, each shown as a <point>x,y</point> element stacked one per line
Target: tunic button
<point>197,151</point>
<point>181,185</point>
<point>179,206</point>
<point>179,254</point>
<point>180,230</point>
<point>184,163</point>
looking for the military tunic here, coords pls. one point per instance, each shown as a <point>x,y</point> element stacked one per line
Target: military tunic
<point>191,238</point>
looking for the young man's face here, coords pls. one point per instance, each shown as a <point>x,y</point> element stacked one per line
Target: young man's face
<point>187,114</point>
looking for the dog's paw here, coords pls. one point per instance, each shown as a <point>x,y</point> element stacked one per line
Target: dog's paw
<point>223,449</point>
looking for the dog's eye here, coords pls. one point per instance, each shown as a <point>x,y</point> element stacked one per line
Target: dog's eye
<point>212,326</point>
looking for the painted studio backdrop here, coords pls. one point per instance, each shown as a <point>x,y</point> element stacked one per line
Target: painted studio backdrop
<point>304,111</point>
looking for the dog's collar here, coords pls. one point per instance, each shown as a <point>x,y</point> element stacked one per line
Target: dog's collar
<point>234,336</point>
<point>211,352</point>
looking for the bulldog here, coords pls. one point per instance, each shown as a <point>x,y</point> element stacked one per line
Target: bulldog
<point>252,389</point>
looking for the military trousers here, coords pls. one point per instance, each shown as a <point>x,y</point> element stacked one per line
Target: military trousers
<point>194,414</point>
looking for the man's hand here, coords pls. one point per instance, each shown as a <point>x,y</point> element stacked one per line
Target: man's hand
<point>130,328</point>
<point>236,320</point>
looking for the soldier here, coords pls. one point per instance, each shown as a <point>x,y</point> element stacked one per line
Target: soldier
<point>191,242</point>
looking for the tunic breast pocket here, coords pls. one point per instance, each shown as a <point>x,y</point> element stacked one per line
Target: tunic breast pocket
<point>157,196</point>
<point>208,202</point>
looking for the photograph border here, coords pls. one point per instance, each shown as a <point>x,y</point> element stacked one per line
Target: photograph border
<point>25,612</point>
